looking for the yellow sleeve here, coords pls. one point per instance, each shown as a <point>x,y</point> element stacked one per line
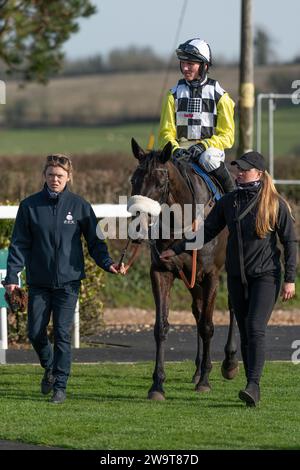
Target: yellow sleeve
<point>167,127</point>
<point>223,137</point>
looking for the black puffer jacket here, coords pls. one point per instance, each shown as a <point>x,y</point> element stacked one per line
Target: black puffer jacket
<point>260,255</point>
<point>47,240</point>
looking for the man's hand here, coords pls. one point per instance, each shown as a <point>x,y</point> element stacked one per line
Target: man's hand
<point>16,297</point>
<point>165,255</point>
<point>288,291</point>
<point>10,287</point>
<point>181,153</point>
<point>115,268</point>
<point>195,151</point>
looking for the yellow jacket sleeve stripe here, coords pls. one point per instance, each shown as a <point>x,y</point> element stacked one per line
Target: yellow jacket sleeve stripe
<point>223,137</point>
<point>167,127</point>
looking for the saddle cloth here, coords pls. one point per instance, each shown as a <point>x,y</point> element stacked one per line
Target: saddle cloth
<point>209,182</point>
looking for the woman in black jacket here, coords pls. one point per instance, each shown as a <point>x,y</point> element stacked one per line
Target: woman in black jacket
<point>255,215</point>
<point>47,240</point>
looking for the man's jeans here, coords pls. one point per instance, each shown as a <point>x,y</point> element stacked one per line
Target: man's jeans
<point>61,302</point>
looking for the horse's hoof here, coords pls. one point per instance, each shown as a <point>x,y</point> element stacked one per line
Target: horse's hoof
<point>230,373</point>
<point>157,396</point>
<point>203,388</point>
<point>195,379</point>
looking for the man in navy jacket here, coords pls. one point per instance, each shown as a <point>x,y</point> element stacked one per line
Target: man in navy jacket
<point>46,241</point>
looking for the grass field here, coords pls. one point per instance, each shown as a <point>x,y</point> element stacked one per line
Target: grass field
<point>107,409</point>
<point>116,139</point>
<point>109,98</point>
<point>89,140</point>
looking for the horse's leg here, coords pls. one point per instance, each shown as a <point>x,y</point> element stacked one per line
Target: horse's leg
<point>161,285</point>
<point>196,309</point>
<point>230,365</point>
<point>206,328</point>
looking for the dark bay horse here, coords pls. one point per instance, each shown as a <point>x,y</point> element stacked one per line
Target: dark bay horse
<point>160,178</point>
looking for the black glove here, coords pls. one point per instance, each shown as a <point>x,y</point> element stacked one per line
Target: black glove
<point>196,150</point>
<point>16,300</point>
<point>181,153</point>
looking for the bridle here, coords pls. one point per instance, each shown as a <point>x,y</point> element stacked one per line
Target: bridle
<point>165,189</point>
<point>152,243</point>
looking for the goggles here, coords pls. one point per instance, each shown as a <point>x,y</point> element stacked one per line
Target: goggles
<point>188,48</point>
<point>59,159</point>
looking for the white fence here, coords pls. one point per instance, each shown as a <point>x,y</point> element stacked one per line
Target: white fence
<point>271,97</point>
<point>101,210</point>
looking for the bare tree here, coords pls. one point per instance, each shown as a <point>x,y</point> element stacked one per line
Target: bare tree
<point>263,52</point>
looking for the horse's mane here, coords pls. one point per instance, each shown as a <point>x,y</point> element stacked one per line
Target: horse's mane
<point>151,159</point>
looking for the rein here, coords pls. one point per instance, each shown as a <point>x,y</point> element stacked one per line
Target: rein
<point>164,195</point>
<point>190,284</point>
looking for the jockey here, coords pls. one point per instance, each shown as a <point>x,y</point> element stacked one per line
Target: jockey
<point>198,115</point>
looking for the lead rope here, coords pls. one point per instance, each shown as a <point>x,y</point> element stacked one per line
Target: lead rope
<point>188,284</point>
<point>191,284</point>
<point>135,252</point>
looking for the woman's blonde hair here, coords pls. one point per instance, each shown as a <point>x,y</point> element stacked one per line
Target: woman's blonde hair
<point>61,160</point>
<point>268,206</point>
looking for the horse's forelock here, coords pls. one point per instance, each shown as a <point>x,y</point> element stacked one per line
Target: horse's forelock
<point>150,161</point>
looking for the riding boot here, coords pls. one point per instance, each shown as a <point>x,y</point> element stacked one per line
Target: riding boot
<point>251,394</point>
<point>224,178</point>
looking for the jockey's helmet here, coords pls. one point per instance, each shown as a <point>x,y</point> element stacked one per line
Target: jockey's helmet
<point>194,50</point>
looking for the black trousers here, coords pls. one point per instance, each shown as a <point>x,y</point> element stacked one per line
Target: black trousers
<point>61,302</point>
<point>252,316</point>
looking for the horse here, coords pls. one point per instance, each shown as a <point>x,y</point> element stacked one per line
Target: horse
<point>162,179</point>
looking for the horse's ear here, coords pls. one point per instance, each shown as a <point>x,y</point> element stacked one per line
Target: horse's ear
<point>137,151</point>
<point>166,153</point>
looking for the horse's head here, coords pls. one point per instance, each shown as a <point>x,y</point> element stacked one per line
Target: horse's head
<point>150,183</point>
<point>150,178</point>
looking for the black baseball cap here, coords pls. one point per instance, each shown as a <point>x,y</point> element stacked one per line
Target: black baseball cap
<point>251,160</point>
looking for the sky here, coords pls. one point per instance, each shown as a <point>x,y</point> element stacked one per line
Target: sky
<point>154,23</point>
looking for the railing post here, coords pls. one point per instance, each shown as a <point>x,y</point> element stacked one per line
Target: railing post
<point>76,329</point>
<point>271,136</point>
<point>3,335</point>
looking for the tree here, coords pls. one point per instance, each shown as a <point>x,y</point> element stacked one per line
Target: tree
<point>134,58</point>
<point>263,49</point>
<point>32,33</point>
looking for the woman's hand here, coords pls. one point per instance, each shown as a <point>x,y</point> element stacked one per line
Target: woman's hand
<point>288,291</point>
<point>165,255</point>
<point>115,268</point>
<point>10,287</point>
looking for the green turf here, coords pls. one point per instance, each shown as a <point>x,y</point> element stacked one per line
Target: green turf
<point>286,131</point>
<point>107,409</point>
<point>73,140</point>
<point>89,140</point>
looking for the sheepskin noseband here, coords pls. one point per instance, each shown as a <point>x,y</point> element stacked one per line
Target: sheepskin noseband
<point>140,203</point>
